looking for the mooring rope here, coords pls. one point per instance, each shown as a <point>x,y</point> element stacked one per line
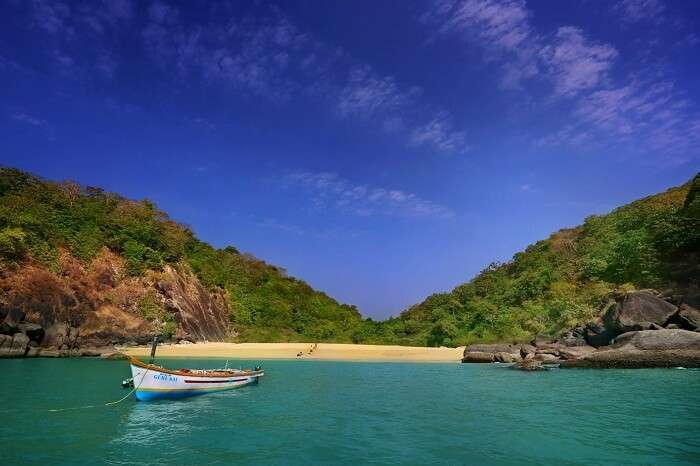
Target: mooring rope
<point>111,403</point>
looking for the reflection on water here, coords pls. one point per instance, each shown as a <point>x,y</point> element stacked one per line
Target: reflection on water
<point>146,427</point>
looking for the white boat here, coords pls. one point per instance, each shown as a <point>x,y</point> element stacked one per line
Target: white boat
<point>154,382</point>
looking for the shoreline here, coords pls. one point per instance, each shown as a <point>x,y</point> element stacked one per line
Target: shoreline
<point>309,351</point>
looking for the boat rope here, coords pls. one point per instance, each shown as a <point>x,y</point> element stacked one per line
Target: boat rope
<point>111,403</point>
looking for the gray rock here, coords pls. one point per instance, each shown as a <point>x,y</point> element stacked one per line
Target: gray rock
<point>660,340</point>
<point>544,357</point>
<point>35,332</point>
<point>597,334</point>
<point>646,348</point>
<point>671,326</point>
<point>574,337</point>
<point>20,341</point>
<point>638,311</point>
<point>478,357</point>
<point>633,359</point>
<point>49,353</point>
<point>576,352</point>
<point>541,341</point>
<point>529,365</point>
<point>505,357</point>
<point>687,318</point>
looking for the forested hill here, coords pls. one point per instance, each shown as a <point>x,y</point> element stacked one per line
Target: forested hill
<point>68,238</point>
<point>89,267</point>
<point>564,280</point>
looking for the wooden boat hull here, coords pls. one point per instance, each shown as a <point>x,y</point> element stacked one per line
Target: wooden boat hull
<point>152,382</point>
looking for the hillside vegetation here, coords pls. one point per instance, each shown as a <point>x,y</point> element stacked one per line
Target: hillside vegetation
<point>564,280</point>
<point>39,218</point>
<point>553,285</point>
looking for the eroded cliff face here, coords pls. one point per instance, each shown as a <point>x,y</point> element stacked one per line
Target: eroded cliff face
<point>82,306</point>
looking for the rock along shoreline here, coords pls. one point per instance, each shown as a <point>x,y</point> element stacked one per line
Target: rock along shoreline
<point>638,330</point>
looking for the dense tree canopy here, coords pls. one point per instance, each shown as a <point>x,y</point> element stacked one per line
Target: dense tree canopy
<point>554,284</point>
<point>38,217</point>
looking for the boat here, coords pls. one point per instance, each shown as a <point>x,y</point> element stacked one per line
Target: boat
<point>153,382</point>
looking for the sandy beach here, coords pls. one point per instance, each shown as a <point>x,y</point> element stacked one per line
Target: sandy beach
<point>322,351</point>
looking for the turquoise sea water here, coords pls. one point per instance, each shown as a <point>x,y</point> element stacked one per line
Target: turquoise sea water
<point>312,412</point>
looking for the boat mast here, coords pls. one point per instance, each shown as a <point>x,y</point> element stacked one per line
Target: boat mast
<point>153,349</point>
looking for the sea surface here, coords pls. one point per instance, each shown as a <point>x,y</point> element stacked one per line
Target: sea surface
<point>320,413</point>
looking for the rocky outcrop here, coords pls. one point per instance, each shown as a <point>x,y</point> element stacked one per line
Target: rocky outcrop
<point>687,318</point>
<point>496,352</point>
<point>529,365</point>
<point>478,357</point>
<point>200,315</point>
<point>81,307</point>
<point>576,352</point>
<point>658,340</point>
<point>638,311</point>
<point>646,348</point>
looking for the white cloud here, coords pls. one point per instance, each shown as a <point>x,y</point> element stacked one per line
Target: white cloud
<point>575,63</point>
<point>635,11</point>
<point>330,191</point>
<point>440,133</point>
<point>28,119</point>
<point>648,115</point>
<point>367,94</point>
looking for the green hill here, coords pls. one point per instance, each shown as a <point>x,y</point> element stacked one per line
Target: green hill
<point>563,281</point>
<point>551,286</point>
<point>39,218</point>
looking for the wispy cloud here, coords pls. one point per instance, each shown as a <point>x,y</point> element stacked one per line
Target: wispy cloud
<point>330,191</point>
<point>262,54</point>
<point>440,133</point>
<point>367,94</point>
<point>502,28</point>
<point>570,135</point>
<point>575,63</point>
<point>28,119</point>
<point>635,11</point>
<point>33,121</point>
<point>649,115</point>
<point>653,113</point>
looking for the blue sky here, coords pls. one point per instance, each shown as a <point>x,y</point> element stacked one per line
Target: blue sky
<point>381,151</point>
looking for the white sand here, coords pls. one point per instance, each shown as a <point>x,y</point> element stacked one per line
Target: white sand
<point>323,351</point>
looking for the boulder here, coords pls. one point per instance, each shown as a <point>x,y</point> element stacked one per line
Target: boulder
<point>687,318</point>
<point>541,341</point>
<point>114,355</point>
<point>670,326</point>
<point>638,311</point>
<point>659,340</point>
<point>51,352</point>
<point>20,341</point>
<point>529,365</point>
<point>646,348</point>
<point>576,352</point>
<point>597,335</point>
<point>35,332</point>
<point>478,357</point>
<point>492,348</point>
<point>527,353</point>
<point>574,337</point>
<point>544,357</point>
<point>633,359</point>
<point>505,357</point>
<point>550,350</point>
